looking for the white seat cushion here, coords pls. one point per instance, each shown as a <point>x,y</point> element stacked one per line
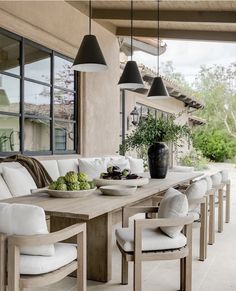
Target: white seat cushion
<point>152,240</point>
<point>196,190</point>
<point>122,163</point>
<point>93,167</point>
<point>216,179</point>
<point>52,168</point>
<point>224,175</point>
<point>173,206</point>
<point>20,219</point>
<point>18,180</point>
<point>136,165</point>
<point>35,265</point>
<point>4,191</point>
<point>68,165</point>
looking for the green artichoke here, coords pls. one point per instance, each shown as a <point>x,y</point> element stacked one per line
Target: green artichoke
<point>82,177</point>
<point>71,177</point>
<point>84,186</point>
<point>61,180</point>
<point>73,186</point>
<point>52,186</point>
<point>92,184</point>
<point>61,187</point>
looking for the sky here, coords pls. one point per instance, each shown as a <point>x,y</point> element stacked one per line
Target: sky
<point>188,56</point>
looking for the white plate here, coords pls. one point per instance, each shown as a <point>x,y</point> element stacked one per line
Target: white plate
<point>70,194</point>
<point>129,182</point>
<point>118,190</point>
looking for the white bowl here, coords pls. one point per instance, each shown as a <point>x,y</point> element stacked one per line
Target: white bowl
<point>70,194</point>
<point>129,182</point>
<point>118,190</point>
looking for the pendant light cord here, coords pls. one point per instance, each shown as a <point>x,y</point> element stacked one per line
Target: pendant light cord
<point>90,16</point>
<point>158,37</point>
<point>131,29</point>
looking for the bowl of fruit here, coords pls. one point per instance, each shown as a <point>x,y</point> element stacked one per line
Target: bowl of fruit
<point>114,176</point>
<point>72,185</point>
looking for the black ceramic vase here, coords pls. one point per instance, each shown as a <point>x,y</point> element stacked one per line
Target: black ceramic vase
<point>158,160</point>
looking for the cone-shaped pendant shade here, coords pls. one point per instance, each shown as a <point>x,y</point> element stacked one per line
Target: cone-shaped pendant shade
<point>89,57</point>
<point>158,89</point>
<point>131,77</point>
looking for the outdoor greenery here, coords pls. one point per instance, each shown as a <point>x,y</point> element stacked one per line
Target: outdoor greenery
<point>194,159</point>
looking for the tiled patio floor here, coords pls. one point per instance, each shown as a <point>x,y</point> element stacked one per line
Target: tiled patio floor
<point>217,273</point>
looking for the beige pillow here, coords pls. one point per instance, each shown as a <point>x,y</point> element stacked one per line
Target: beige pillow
<point>196,191</point>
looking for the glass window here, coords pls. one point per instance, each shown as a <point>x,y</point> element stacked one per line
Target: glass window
<point>64,104</point>
<point>9,94</point>
<point>68,129</point>
<point>37,134</point>
<point>37,99</point>
<point>37,64</point>
<point>9,134</point>
<point>63,75</point>
<point>9,55</point>
<point>60,139</point>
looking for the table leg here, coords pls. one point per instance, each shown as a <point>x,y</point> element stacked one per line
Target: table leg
<point>99,244</point>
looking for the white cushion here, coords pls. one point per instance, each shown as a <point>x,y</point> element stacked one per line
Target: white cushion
<point>172,207</point>
<point>20,219</point>
<point>68,165</point>
<point>52,168</point>
<point>4,191</point>
<point>224,175</point>
<point>196,190</point>
<point>216,179</point>
<point>182,169</point>
<point>209,182</point>
<point>18,180</point>
<point>122,163</point>
<point>152,240</point>
<point>35,265</point>
<point>93,167</point>
<point>14,165</point>
<point>136,165</point>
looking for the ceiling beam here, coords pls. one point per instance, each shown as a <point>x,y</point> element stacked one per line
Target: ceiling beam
<point>165,15</point>
<point>179,34</point>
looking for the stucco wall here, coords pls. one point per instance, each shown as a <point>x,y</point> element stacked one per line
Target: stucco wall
<point>61,27</point>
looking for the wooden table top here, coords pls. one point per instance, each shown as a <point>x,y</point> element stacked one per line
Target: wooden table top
<point>97,204</point>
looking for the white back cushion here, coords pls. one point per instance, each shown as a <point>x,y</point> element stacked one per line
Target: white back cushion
<point>122,163</point>
<point>67,165</point>
<point>18,180</point>
<point>20,219</point>
<point>224,175</point>
<point>216,179</point>
<point>52,168</point>
<point>136,165</point>
<point>93,167</point>
<point>209,182</point>
<point>173,207</point>
<point>196,191</point>
<point>14,165</point>
<point>171,192</point>
<point>4,191</point>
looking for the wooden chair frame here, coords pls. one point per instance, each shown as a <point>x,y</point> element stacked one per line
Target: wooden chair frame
<point>184,254</point>
<point>10,248</point>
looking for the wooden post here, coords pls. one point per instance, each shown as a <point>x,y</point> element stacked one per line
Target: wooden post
<point>227,204</point>
<point>220,210</point>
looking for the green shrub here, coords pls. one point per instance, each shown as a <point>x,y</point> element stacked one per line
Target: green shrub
<point>194,159</point>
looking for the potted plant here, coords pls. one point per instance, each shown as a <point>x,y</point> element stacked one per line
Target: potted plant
<point>152,134</point>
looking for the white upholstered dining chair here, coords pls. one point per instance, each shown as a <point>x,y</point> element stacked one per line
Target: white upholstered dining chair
<point>32,257</point>
<point>157,239</point>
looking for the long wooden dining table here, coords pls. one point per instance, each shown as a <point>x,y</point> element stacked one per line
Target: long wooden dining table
<point>97,211</point>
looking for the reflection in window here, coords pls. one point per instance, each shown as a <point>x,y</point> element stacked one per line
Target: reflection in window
<point>37,64</point>
<point>68,129</point>
<point>9,55</point>
<point>9,134</point>
<point>37,99</point>
<point>63,76</point>
<point>9,94</point>
<point>63,104</point>
<point>60,139</point>
<point>37,134</point>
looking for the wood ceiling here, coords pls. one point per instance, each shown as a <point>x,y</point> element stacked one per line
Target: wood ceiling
<point>195,20</point>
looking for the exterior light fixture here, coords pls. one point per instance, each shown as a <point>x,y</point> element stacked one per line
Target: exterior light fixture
<point>89,57</point>
<point>135,116</point>
<point>131,77</point>
<point>158,89</point>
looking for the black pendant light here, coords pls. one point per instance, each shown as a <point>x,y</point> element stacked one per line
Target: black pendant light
<point>131,77</point>
<point>158,89</point>
<point>89,57</point>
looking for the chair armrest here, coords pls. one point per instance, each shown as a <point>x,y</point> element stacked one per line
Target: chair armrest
<point>44,239</point>
<point>127,212</point>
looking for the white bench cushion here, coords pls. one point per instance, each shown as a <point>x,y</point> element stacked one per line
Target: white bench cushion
<point>18,180</point>
<point>67,165</point>
<point>93,167</point>
<point>52,168</point>
<point>152,240</point>
<point>136,165</point>
<point>20,219</point>
<point>196,190</point>
<point>35,265</point>
<point>4,191</point>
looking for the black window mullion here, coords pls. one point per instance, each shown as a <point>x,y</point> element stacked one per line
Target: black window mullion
<point>52,129</point>
<point>22,73</point>
<point>76,112</point>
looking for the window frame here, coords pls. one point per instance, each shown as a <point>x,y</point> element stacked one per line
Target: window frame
<point>51,85</point>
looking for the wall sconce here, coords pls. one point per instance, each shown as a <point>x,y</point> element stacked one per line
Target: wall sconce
<point>135,116</point>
